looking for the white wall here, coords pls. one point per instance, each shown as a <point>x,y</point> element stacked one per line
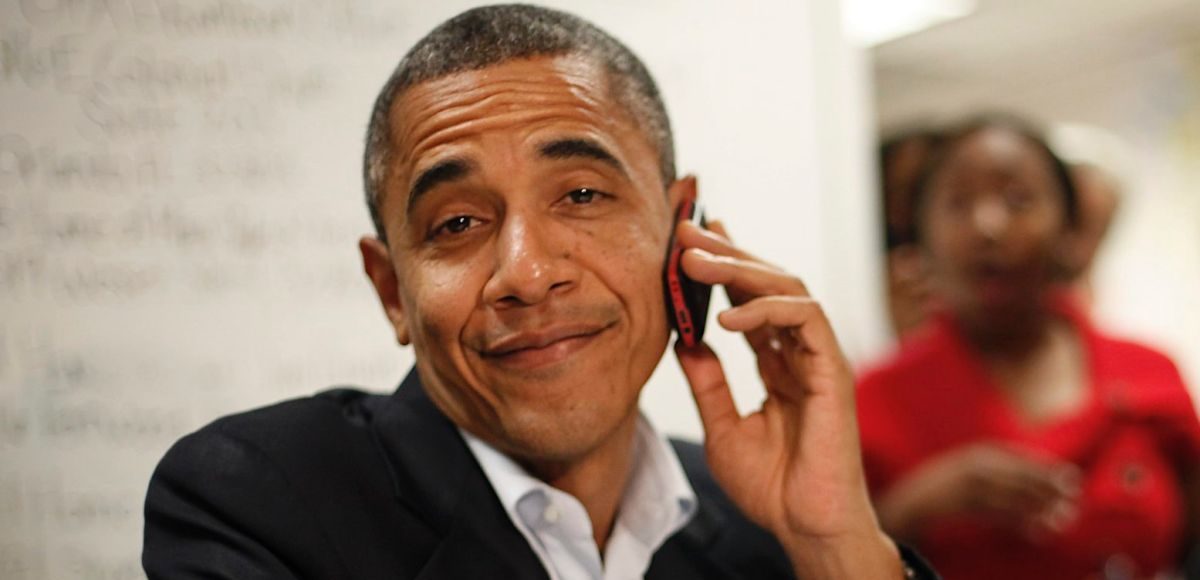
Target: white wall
<point>180,200</point>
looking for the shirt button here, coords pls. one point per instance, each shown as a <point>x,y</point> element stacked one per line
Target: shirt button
<point>550,514</point>
<point>1132,476</point>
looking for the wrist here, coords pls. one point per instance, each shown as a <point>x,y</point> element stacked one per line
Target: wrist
<point>869,554</point>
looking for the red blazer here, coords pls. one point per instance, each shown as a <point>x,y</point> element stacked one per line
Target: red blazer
<point>1133,439</point>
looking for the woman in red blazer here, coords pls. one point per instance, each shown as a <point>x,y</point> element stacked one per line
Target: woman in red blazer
<point>1009,438</point>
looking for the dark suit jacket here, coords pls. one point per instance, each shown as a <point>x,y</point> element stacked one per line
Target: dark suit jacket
<point>350,485</point>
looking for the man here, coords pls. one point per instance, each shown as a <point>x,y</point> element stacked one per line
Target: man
<point>520,173</point>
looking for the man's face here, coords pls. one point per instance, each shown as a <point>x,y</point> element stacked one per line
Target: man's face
<point>527,224</point>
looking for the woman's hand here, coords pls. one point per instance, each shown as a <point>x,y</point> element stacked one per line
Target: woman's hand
<point>1000,483</point>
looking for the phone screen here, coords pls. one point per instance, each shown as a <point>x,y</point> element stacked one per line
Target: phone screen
<point>687,300</point>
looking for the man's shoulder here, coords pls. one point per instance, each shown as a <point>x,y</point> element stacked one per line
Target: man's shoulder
<point>295,433</point>
<point>300,485</point>
<point>339,407</point>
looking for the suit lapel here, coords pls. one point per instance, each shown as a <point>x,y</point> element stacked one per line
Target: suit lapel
<point>688,553</point>
<point>436,477</point>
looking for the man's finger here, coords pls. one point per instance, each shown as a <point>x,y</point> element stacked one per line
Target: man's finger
<point>745,279</point>
<point>709,388</point>
<point>759,340</point>
<point>718,226</point>
<point>716,243</point>
<point>802,316</point>
<point>690,235</point>
<point>808,345</point>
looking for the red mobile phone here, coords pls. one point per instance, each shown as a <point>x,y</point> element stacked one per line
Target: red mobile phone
<point>687,300</point>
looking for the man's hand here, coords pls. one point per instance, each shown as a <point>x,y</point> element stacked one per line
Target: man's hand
<point>793,466</point>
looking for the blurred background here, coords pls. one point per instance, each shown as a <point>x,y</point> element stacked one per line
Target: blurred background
<point>180,199</point>
<point>1116,85</point>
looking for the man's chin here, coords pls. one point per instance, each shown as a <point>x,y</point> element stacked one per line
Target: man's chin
<point>559,435</point>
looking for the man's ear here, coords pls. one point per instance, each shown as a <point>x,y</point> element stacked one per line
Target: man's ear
<point>680,189</point>
<point>377,263</point>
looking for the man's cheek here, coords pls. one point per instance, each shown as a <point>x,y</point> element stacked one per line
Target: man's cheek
<point>442,302</point>
<point>632,231</point>
<point>635,261</point>
<point>645,247</point>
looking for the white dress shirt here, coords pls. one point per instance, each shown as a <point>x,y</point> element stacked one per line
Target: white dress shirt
<point>658,501</point>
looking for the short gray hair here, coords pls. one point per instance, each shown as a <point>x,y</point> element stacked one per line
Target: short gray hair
<point>490,35</point>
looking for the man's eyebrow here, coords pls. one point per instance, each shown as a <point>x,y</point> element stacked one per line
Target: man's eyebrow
<point>441,172</point>
<point>576,147</point>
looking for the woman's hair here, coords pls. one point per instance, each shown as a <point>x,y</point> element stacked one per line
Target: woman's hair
<point>898,228</point>
<point>955,135</point>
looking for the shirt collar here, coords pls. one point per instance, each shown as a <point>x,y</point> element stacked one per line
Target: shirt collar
<point>658,500</point>
<point>658,496</point>
<point>509,480</point>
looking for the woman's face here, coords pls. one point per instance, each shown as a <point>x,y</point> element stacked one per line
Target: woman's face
<point>993,220</point>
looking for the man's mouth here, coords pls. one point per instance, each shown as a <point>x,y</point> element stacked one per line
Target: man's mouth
<point>543,346</point>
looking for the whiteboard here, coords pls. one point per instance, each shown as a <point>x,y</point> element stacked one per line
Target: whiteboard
<point>180,200</point>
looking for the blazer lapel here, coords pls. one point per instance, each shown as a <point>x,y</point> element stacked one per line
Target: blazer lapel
<point>435,476</point>
<point>718,542</point>
<point>688,553</point>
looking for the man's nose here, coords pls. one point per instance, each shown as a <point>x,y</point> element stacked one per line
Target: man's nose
<point>989,217</point>
<point>532,262</point>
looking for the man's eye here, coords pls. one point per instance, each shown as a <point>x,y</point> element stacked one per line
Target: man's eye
<point>456,225</point>
<point>583,195</point>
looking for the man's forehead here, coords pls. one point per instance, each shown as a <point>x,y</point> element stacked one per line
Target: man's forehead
<point>524,95</point>
<point>465,100</point>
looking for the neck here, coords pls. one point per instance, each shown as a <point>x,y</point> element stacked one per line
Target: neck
<point>597,479</point>
<point>1044,379</point>
<point>1013,336</point>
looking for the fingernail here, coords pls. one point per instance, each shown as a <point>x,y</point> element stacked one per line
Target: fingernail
<point>731,312</point>
<point>709,233</point>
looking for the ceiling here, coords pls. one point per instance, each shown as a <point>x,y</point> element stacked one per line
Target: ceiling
<point>1007,44</point>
